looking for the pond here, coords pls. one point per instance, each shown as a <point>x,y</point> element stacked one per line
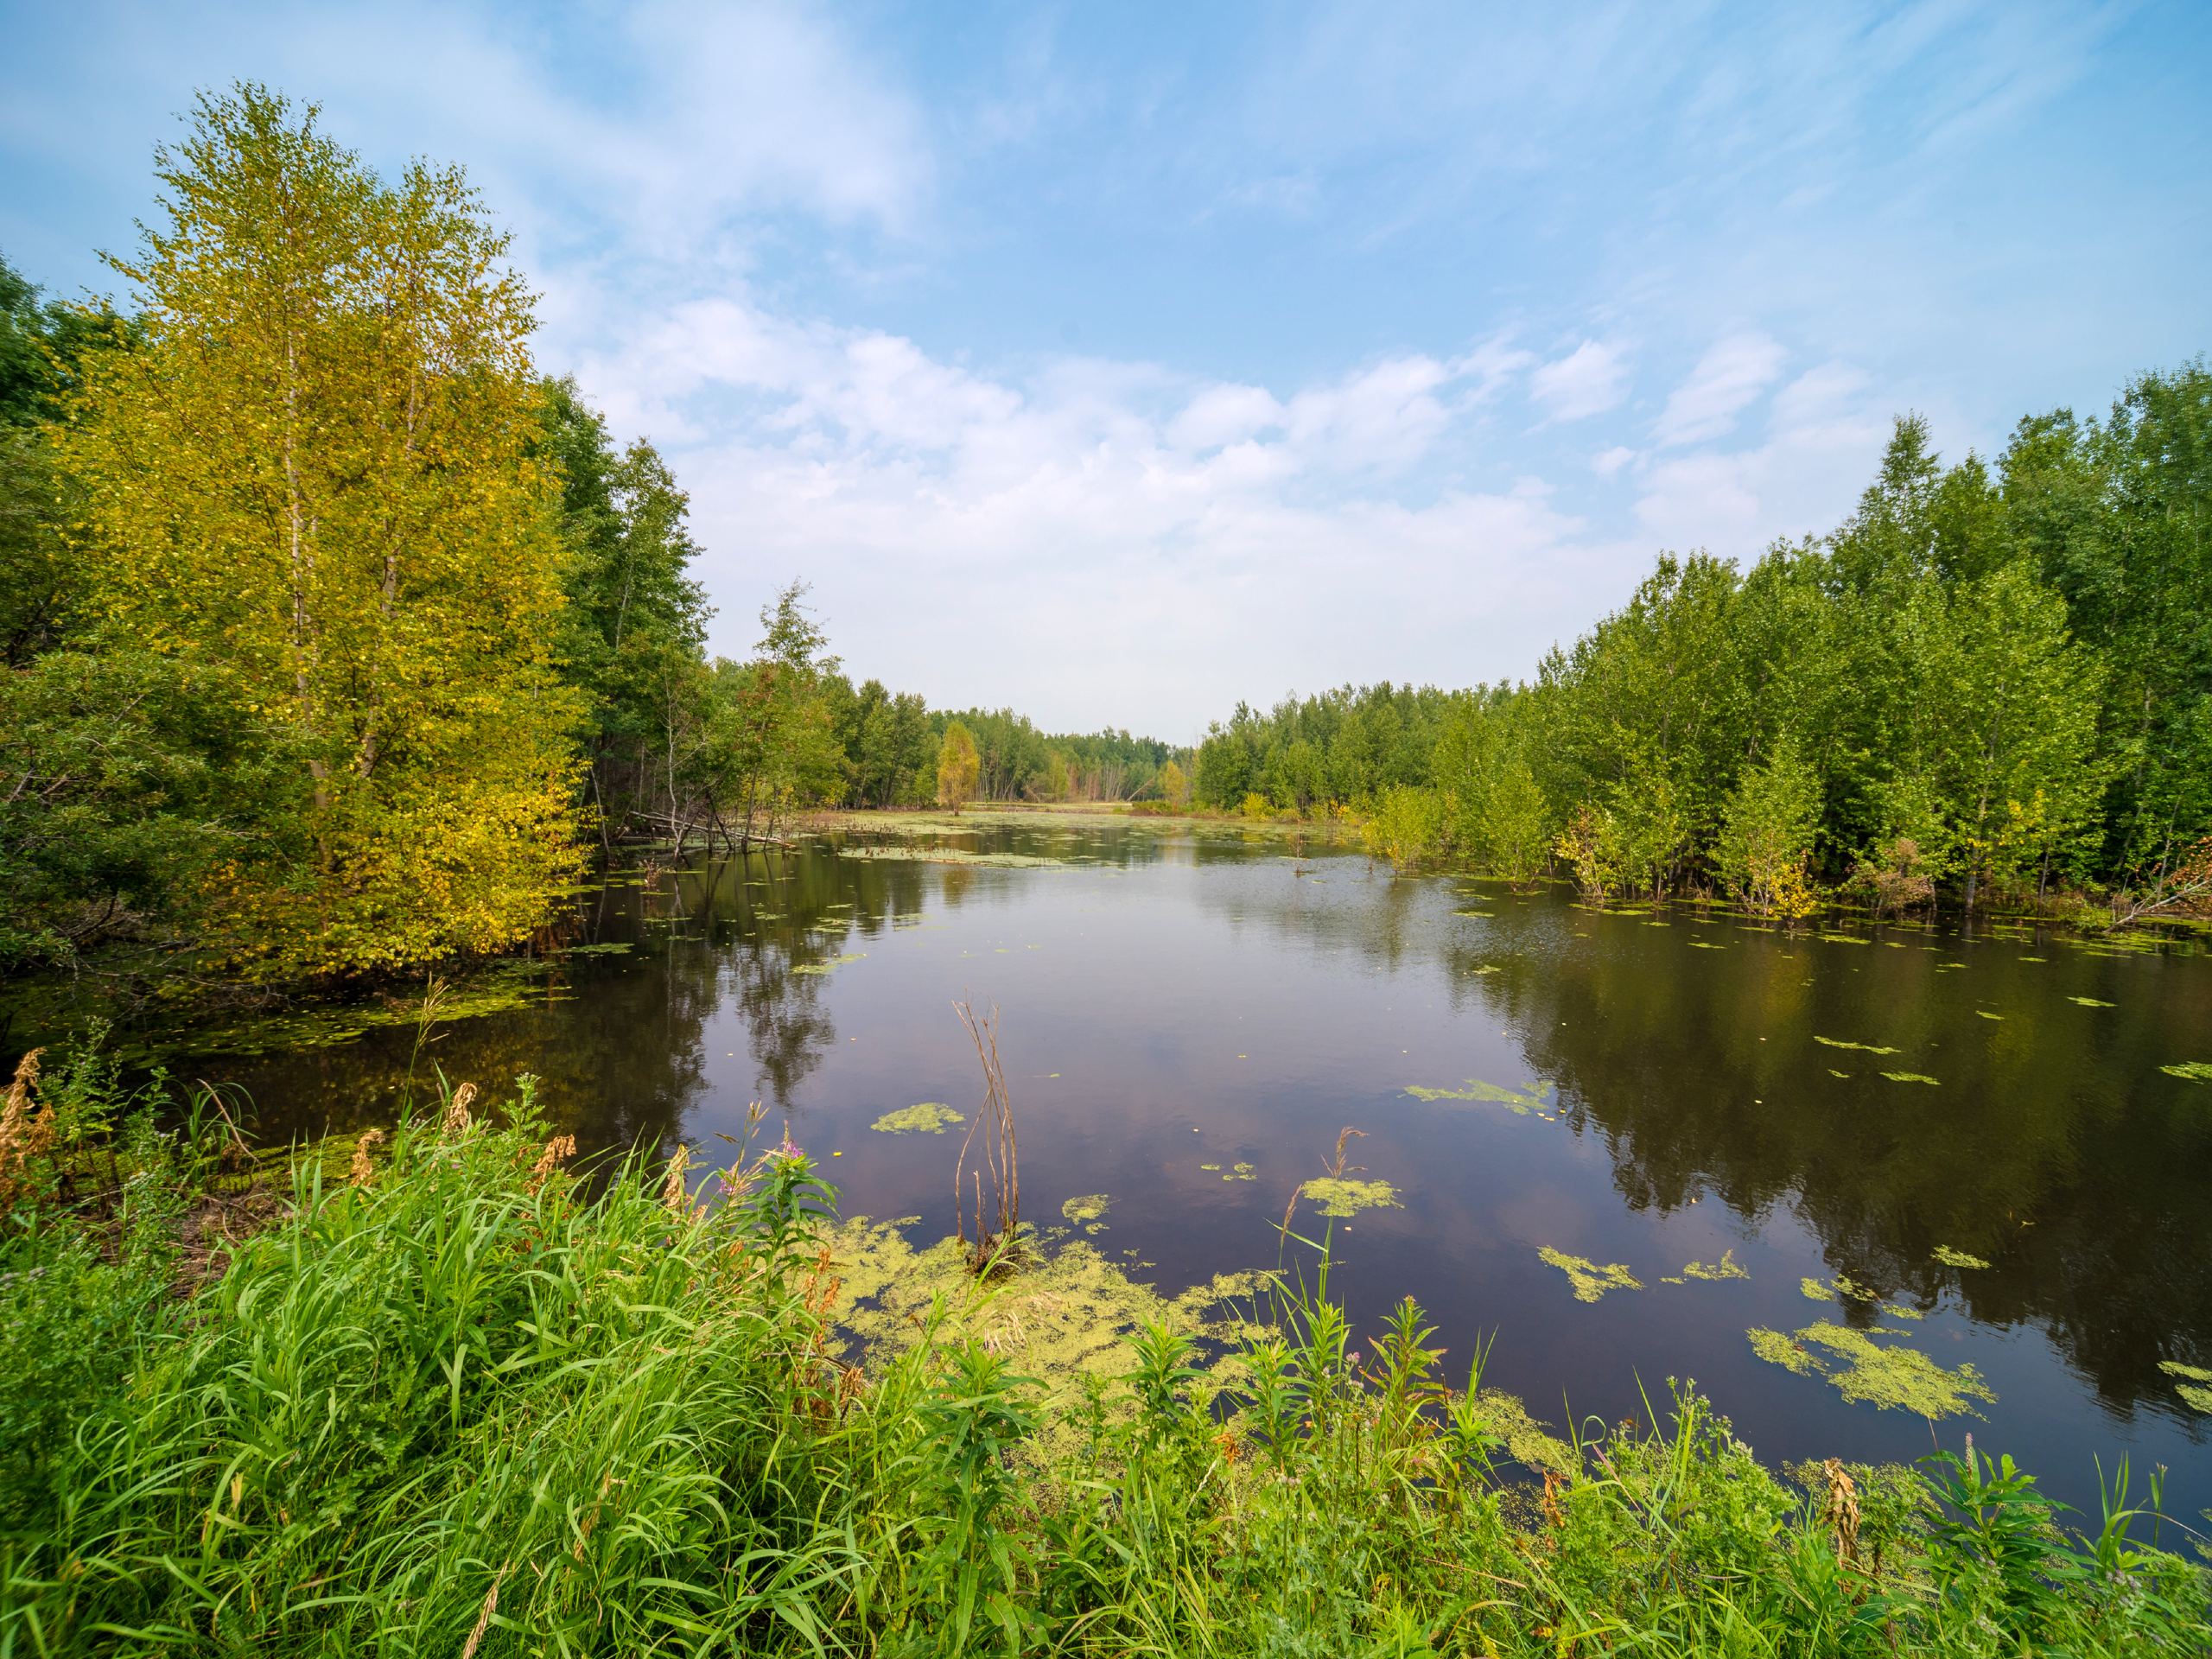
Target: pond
<point>1620,1142</point>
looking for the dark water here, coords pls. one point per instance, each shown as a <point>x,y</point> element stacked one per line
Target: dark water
<point>1172,999</point>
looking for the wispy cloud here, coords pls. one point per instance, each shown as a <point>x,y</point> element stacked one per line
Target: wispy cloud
<point>1589,381</point>
<point>1731,374</point>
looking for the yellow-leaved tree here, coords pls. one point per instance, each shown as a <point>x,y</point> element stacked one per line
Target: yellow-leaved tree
<point>958,766</point>
<point>315,482</point>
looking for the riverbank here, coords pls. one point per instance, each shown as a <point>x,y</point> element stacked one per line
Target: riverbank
<point>454,1395</point>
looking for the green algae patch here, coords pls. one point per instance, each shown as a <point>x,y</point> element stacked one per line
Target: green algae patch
<point>1726,1268</point>
<point>1531,1443</point>
<point>1591,1280</point>
<point>930,1117</point>
<point>1211,1169</point>
<point>1522,1102</point>
<point>1951,1258</point>
<point>1062,1316</point>
<point>1777,1349</point>
<point>2193,1071</point>
<point>1241,1172</point>
<point>1985,1015</point>
<point>827,964</point>
<point>1816,1290</point>
<point>1088,1210</point>
<point>1899,1311</point>
<point>1864,1048</point>
<point>1884,1375</point>
<point>1480,915</point>
<point>2092,1002</point>
<point>2191,1384</point>
<point>1913,1077</point>
<point>1343,1198</point>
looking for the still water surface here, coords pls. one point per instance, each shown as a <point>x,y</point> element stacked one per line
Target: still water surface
<point>1175,997</point>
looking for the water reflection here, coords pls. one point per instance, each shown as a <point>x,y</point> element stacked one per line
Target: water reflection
<point>1175,1000</point>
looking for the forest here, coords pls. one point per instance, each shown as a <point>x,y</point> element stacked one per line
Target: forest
<point>337,633</point>
<point>1993,682</point>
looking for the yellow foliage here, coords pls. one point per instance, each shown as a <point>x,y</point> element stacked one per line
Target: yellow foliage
<point>314,479</point>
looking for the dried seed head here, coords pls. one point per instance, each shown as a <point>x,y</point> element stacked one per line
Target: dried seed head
<point>456,1119</point>
<point>365,1169</point>
<point>558,1151</point>
<point>674,1194</point>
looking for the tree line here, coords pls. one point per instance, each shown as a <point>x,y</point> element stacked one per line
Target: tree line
<point>1992,681</point>
<point>336,632</point>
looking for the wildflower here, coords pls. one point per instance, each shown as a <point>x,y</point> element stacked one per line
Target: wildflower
<point>456,1120</point>
<point>365,1170</point>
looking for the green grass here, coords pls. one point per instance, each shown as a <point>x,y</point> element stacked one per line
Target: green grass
<point>477,1406</point>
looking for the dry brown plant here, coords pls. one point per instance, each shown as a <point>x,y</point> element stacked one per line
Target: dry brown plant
<point>995,1226</point>
<point>365,1170</point>
<point>25,1133</point>
<point>456,1121</point>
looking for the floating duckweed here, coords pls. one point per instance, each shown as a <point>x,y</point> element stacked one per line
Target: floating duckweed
<point>1778,1350</point>
<point>1340,1197</point>
<point>1899,1311</point>
<point>1062,1317</point>
<point>1987,1015</point>
<point>1847,1286</point>
<point>1672,1278</point>
<point>1864,1048</point>
<point>1911,1077</point>
<point>1816,1290</point>
<point>1090,1207</point>
<point>1841,938</point>
<point>1951,1258</point>
<point>1726,1268</point>
<point>1522,1102</point>
<point>2189,1373</point>
<point>930,1117</point>
<point>2196,1395</point>
<point>2092,1002</point>
<point>1241,1172</point>
<point>1892,1377</point>
<point>2195,1070</point>
<point>1834,1073</point>
<point>611,948</point>
<point>1211,1169</point>
<point>1484,915</point>
<point>1706,945</point>
<point>1590,1280</point>
<point>827,964</point>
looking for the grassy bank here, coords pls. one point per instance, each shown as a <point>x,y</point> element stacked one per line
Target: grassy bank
<point>441,1394</point>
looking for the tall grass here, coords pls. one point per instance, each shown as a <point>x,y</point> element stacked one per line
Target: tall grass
<point>462,1401</point>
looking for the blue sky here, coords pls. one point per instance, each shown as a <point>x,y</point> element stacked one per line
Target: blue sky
<point>1116,362</point>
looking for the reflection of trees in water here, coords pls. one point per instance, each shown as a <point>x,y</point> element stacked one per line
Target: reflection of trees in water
<point>2073,1167</point>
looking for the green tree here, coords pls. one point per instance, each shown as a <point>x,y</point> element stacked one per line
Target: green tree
<point>1767,829</point>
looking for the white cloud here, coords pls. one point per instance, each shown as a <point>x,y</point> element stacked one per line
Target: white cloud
<point>1606,463</point>
<point>1732,372</point>
<point>1589,381</point>
<point>1121,545</point>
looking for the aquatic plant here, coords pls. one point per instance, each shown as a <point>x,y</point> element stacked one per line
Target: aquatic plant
<point>1591,1280</point>
<point>1089,1209</point>
<point>1864,1370</point>
<point>827,964</point>
<point>1951,1258</point>
<point>1864,1048</point>
<point>1816,1290</point>
<point>2092,1002</point>
<point>2193,1071</point>
<point>927,1117</point>
<point>1726,1268</point>
<point>1522,1102</point>
<point>1911,1077</point>
<point>1341,1197</point>
<point>2192,1386</point>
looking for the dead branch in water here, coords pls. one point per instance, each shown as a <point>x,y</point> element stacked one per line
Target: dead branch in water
<point>1000,1159</point>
